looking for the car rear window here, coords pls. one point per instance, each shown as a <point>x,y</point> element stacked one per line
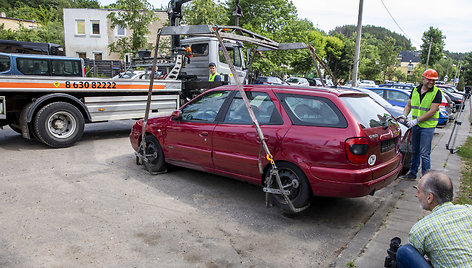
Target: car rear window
<point>312,111</point>
<point>367,112</point>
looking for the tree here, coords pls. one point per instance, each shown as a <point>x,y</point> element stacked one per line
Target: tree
<point>135,15</point>
<point>205,12</point>
<point>339,55</point>
<point>467,69</point>
<point>434,38</point>
<point>388,58</point>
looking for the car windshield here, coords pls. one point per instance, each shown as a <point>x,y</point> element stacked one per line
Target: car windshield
<point>378,98</point>
<point>292,80</point>
<point>367,112</point>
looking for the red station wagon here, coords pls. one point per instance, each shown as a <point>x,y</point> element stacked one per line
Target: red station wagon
<point>335,142</point>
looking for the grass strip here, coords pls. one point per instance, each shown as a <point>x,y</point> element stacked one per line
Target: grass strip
<point>465,192</point>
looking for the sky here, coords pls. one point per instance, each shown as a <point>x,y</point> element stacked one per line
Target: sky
<point>414,17</point>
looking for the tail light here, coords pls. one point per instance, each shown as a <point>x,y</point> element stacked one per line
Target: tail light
<point>445,104</point>
<point>356,150</point>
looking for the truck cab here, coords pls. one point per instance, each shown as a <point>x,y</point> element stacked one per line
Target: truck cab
<point>206,50</point>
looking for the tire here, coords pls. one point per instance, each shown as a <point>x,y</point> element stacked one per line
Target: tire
<point>299,194</point>
<point>155,163</point>
<point>59,124</point>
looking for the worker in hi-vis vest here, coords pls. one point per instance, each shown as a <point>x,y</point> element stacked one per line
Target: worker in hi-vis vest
<point>214,76</point>
<point>424,103</point>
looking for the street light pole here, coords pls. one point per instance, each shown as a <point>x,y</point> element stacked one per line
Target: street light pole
<point>358,44</point>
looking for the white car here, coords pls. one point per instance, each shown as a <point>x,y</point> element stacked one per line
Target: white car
<point>298,81</point>
<point>135,74</point>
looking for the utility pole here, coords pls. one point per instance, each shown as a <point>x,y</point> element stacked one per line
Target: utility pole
<point>429,52</point>
<point>358,44</point>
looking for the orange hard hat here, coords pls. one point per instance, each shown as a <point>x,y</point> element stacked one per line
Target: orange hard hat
<point>430,74</point>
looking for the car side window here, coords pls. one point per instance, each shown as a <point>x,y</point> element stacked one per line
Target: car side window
<point>378,91</point>
<point>312,111</point>
<point>263,107</point>
<point>397,96</point>
<point>4,63</point>
<point>205,108</point>
<point>29,66</point>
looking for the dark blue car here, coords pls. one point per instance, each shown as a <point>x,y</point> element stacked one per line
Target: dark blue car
<point>400,97</point>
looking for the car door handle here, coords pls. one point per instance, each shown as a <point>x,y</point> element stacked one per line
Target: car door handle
<point>256,137</point>
<point>203,134</point>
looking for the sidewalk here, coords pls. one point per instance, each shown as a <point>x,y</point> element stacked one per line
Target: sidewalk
<point>401,210</point>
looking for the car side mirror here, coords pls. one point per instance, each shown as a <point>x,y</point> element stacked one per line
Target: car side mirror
<point>176,115</point>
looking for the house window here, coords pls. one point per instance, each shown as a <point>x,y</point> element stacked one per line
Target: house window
<point>80,27</point>
<point>96,27</point>
<point>82,55</point>
<point>120,31</point>
<point>97,56</point>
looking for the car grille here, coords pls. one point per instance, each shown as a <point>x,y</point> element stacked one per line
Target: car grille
<point>387,145</point>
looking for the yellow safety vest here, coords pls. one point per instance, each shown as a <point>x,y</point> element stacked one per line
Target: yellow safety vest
<point>212,77</point>
<point>418,109</point>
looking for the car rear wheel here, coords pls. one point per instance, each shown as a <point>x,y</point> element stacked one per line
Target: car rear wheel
<point>294,180</point>
<point>155,157</point>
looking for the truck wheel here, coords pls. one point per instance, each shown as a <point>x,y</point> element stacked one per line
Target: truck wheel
<point>155,157</point>
<point>59,124</point>
<point>294,180</point>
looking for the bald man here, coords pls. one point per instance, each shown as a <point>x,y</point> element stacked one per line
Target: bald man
<point>445,235</point>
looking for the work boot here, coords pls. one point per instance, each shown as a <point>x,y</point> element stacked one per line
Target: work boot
<point>408,177</point>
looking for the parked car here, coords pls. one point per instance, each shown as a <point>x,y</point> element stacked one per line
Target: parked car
<point>298,81</point>
<point>401,97</point>
<point>398,86</point>
<point>41,65</point>
<point>317,82</point>
<point>269,80</point>
<point>132,74</point>
<point>451,89</point>
<point>362,83</point>
<point>337,143</point>
<point>457,99</point>
<point>396,111</point>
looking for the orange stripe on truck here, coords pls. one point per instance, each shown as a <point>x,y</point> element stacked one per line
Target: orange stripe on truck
<point>63,85</point>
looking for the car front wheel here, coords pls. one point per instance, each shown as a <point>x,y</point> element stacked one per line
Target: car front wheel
<point>155,157</point>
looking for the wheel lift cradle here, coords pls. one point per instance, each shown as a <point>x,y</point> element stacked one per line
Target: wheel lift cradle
<point>237,34</point>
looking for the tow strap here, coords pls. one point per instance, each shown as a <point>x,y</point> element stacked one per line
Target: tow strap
<point>273,173</point>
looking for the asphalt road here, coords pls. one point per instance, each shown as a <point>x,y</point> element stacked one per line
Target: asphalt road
<point>90,205</point>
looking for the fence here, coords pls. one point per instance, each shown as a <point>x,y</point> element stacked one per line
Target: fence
<point>103,68</point>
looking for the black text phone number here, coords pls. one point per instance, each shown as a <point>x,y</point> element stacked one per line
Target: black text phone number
<point>90,84</point>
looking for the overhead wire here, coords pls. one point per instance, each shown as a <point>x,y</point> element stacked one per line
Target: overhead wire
<point>397,23</point>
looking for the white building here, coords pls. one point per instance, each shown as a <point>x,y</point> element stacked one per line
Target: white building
<point>88,32</point>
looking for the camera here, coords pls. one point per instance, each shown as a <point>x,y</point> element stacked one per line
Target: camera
<point>391,259</point>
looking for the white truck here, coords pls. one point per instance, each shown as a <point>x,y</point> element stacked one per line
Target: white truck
<point>54,109</point>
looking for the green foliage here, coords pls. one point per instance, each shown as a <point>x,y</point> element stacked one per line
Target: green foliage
<point>434,38</point>
<point>205,12</point>
<point>461,84</point>
<point>388,58</point>
<point>47,13</point>
<point>380,33</point>
<point>465,193</point>
<point>135,15</point>
<point>417,73</point>
<point>467,69</point>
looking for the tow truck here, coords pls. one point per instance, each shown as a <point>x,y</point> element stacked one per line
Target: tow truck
<point>54,109</point>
